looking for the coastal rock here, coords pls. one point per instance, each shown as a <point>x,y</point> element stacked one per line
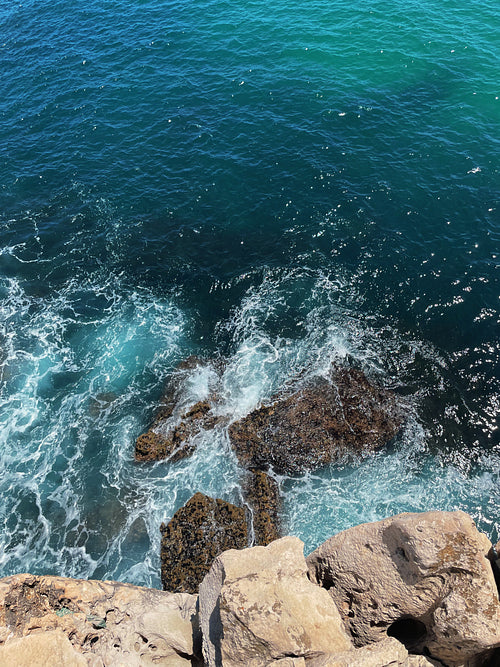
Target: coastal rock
<point>195,536</point>
<point>317,424</point>
<point>422,578</point>
<point>386,653</point>
<point>494,557</point>
<point>110,623</point>
<point>258,606</point>
<point>175,424</point>
<point>172,442</point>
<point>423,661</point>
<point>262,494</point>
<point>44,649</point>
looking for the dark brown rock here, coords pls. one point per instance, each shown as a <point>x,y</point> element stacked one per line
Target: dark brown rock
<point>317,424</point>
<point>262,494</point>
<point>172,443</point>
<point>195,536</point>
<point>170,434</point>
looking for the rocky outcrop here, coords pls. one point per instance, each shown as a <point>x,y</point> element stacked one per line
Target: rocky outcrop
<point>175,423</point>
<point>415,590</point>
<point>388,652</point>
<point>298,431</point>
<point>422,578</point>
<point>262,494</point>
<point>317,424</point>
<point>174,441</point>
<point>98,622</point>
<point>196,534</point>
<point>205,527</point>
<point>257,606</point>
<point>41,650</point>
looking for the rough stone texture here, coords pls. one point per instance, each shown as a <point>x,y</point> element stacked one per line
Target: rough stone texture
<point>196,534</point>
<point>44,649</point>
<point>494,557</point>
<point>386,653</point>
<point>317,424</point>
<point>422,661</point>
<point>262,494</point>
<point>108,622</point>
<point>258,606</point>
<point>424,578</point>
<point>174,442</point>
<point>170,435</point>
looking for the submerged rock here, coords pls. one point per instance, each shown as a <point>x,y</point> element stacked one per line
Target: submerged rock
<point>317,424</point>
<point>422,578</point>
<point>258,606</point>
<point>173,442</point>
<point>195,536</point>
<point>170,435</point>
<point>262,494</point>
<point>100,623</point>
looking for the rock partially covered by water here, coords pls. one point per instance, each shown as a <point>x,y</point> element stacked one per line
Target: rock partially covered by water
<point>98,623</point>
<point>258,606</point>
<point>422,578</point>
<point>317,424</point>
<point>178,419</point>
<point>195,536</point>
<point>262,494</point>
<point>173,441</point>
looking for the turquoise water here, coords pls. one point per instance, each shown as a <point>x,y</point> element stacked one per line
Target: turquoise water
<point>279,184</point>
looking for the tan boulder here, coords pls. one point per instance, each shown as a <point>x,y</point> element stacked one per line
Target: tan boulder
<point>110,623</point>
<point>422,661</point>
<point>43,649</point>
<point>422,578</point>
<point>258,606</point>
<point>386,653</point>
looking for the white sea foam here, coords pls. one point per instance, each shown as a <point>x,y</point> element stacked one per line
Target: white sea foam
<point>71,404</point>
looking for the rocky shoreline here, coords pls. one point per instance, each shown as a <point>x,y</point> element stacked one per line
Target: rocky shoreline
<point>413,590</point>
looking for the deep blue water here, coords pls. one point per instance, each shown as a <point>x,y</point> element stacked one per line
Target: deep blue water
<point>279,184</point>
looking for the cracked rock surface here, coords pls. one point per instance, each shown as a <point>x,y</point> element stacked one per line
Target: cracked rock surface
<point>108,623</point>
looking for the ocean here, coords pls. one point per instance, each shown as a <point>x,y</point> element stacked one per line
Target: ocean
<point>278,185</point>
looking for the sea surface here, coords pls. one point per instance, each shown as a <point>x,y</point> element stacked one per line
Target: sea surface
<point>278,185</point>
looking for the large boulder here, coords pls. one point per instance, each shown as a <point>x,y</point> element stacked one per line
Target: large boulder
<point>317,424</point>
<point>422,578</point>
<point>388,652</point>
<point>43,649</point>
<point>258,606</point>
<point>107,623</point>
<point>196,534</point>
